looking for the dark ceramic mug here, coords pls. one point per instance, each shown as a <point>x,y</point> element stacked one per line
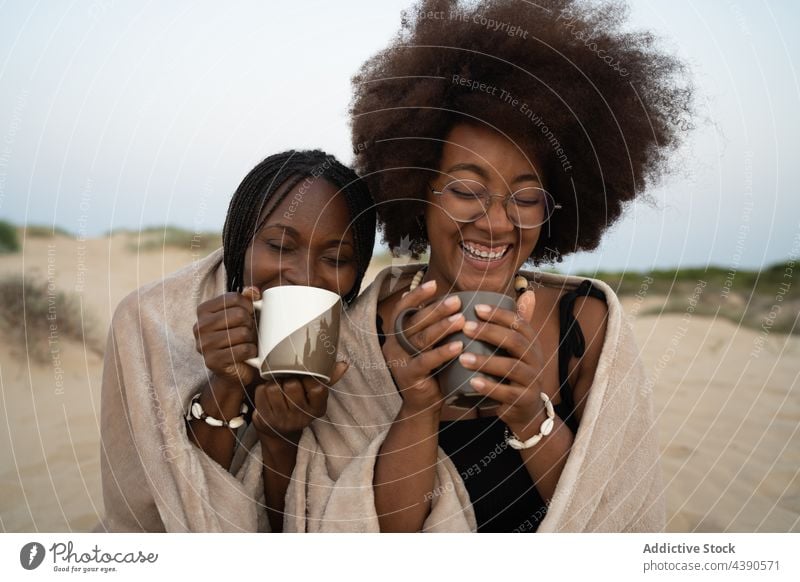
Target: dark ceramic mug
<point>454,379</point>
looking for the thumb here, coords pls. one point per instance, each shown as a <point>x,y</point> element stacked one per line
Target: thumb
<point>338,371</point>
<point>252,293</point>
<point>525,306</point>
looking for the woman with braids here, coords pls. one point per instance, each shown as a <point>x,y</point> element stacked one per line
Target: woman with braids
<point>298,218</point>
<point>491,150</point>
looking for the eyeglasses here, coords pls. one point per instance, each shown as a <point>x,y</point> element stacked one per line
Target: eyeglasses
<point>468,200</point>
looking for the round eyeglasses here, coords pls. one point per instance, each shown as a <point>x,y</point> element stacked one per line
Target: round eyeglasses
<point>469,200</point>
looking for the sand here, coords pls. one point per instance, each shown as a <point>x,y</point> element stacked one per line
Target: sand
<point>727,401</point>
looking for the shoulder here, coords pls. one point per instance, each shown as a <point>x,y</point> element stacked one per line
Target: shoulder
<point>591,313</point>
<point>173,294</point>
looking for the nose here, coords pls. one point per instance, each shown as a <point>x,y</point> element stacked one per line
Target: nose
<point>495,221</point>
<point>301,271</point>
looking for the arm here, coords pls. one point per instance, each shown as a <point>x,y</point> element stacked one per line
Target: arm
<point>225,335</point>
<point>546,461</point>
<point>405,470</point>
<point>282,412</point>
<point>223,401</point>
<point>279,456</point>
<point>406,464</point>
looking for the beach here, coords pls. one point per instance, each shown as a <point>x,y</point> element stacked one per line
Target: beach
<point>726,398</point>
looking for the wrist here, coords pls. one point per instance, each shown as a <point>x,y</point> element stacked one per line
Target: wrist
<point>275,446</point>
<point>525,429</point>
<point>429,415</point>
<point>222,399</point>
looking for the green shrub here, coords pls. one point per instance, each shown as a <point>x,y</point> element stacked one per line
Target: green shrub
<point>33,313</point>
<point>9,242</point>
<point>742,296</point>
<point>44,231</point>
<point>159,237</point>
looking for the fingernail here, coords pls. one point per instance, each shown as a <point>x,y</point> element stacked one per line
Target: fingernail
<point>470,326</point>
<point>478,383</point>
<point>429,285</point>
<point>452,301</point>
<point>454,317</point>
<point>481,308</point>
<point>456,346</point>
<point>468,359</point>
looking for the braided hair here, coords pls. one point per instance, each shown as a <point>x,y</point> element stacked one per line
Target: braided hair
<point>268,184</point>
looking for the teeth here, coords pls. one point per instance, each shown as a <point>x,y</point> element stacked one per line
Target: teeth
<point>483,254</point>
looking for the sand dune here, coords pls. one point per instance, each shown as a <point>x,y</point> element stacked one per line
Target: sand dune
<point>727,401</point>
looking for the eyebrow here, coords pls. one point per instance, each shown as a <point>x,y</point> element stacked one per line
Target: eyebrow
<point>293,231</point>
<point>290,229</point>
<point>476,169</point>
<point>526,178</point>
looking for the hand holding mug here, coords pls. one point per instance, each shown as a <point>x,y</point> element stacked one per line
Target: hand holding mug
<point>225,335</point>
<point>413,370</point>
<point>519,372</point>
<point>283,408</point>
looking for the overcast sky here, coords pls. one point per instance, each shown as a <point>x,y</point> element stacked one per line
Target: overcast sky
<point>125,114</point>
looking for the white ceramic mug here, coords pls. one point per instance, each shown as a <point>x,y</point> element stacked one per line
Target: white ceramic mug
<point>298,332</point>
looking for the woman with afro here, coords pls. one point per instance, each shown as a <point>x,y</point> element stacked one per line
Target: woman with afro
<point>493,135</point>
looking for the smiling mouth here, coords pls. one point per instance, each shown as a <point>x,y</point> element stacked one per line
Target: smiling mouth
<point>484,253</point>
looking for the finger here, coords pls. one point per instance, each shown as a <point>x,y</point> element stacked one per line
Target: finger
<point>504,317</point>
<point>432,314</point>
<point>295,394</point>
<point>431,359</point>
<point>507,369</point>
<point>233,317</point>
<point>526,304</point>
<point>262,405</point>
<point>251,293</point>
<point>499,336</point>
<point>339,370</point>
<point>316,396</point>
<point>277,401</point>
<point>226,301</point>
<point>228,337</point>
<point>501,392</point>
<point>430,336</point>
<point>418,296</point>
<point>242,352</point>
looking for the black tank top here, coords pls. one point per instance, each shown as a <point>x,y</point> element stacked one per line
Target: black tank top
<point>500,488</point>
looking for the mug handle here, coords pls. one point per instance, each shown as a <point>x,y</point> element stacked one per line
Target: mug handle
<point>255,362</point>
<point>400,334</point>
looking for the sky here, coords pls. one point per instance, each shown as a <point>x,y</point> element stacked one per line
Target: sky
<point>124,114</point>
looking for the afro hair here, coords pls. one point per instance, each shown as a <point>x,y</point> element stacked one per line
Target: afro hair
<point>599,109</point>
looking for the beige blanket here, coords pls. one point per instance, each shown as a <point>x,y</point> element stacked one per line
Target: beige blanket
<point>154,478</point>
<point>611,481</point>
